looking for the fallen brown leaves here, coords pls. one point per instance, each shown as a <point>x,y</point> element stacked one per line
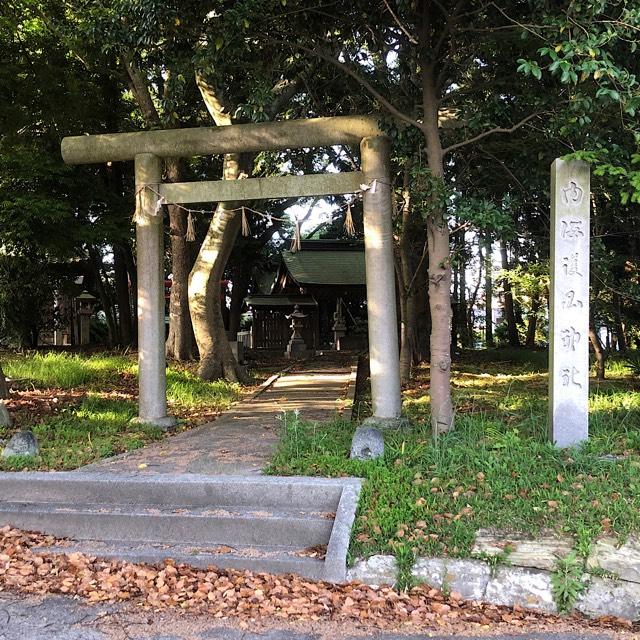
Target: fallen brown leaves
<point>24,567</point>
<point>30,406</point>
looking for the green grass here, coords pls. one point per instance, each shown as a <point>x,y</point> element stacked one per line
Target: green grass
<point>100,425</point>
<point>184,389</point>
<point>495,470</point>
<point>96,429</point>
<point>67,371</point>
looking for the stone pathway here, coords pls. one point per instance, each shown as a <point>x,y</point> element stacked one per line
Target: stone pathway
<point>242,440</point>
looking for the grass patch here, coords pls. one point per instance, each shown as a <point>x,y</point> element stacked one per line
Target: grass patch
<point>495,470</point>
<point>185,389</point>
<point>99,425</point>
<point>96,429</point>
<point>104,372</point>
<point>66,371</point>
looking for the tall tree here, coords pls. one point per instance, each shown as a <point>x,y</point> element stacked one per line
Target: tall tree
<point>424,63</point>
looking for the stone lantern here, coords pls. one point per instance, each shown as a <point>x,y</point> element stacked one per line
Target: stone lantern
<point>296,347</point>
<point>339,326</point>
<point>84,310</point>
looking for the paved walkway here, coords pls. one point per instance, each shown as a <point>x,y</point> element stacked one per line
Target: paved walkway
<point>242,440</point>
<point>64,618</point>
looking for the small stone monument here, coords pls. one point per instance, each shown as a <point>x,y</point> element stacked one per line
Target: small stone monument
<point>23,443</point>
<point>367,444</point>
<point>296,347</point>
<point>339,326</point>
<point>569,304</point>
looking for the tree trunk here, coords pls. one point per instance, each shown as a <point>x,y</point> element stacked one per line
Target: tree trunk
<point>423,314</point>
<point>463,326</point>
<point>510,316</point>
<point>455,307</point>
<point>474,297</point>
<point>620,328</point>
<point>488,291</point>
<point>406,277</point>
<point>408,330</point>
<point>103,293</point>
<point>4,387</point>
<point>216,357</point>
<point>5,417</point>
<point>532,323</point>
<point>439,265</point>
<point>123,297</point>
<point>598,350</point>
<point>130,262</point>
<point>180,341</point>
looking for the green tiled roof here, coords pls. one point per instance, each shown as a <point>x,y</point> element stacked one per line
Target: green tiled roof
<point>326,267</point>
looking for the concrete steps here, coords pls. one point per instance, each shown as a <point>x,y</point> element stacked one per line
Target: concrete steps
<point>174,524</point>
<point>273,524</point>
<point>306,562</point>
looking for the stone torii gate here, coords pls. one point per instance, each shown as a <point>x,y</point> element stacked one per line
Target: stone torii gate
<point>148,148</point>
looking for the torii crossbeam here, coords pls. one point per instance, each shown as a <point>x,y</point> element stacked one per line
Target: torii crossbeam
<point>147,148</point>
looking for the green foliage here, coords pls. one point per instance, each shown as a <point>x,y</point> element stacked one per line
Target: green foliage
<point>592,44</point>
<point>429,193</point>
<point>485,215</point>
<point>99,372</point>
<point>34,202</point>
<point>633,363</point>
<point>26,295</point>
<point>528,281</point>
<point>185,389</point>
<point>566,581</point>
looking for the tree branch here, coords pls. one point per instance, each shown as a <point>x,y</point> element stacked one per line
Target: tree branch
<point>447,29</point>
<point>140,90</point>
<point>394,111</point>
<point>520,24</point>
<point>489,132</point>
<point>218,110</point>
<point>404,30</point>
<point>504,167</point>
<point>285,90</point>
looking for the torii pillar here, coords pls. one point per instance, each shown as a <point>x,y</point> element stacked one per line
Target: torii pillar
<point>148,148</point>
<point>152,365</point>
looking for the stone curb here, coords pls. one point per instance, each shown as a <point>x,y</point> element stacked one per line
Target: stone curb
<point>523,586</point>
<point>267,384</point>
<point>348,400</point>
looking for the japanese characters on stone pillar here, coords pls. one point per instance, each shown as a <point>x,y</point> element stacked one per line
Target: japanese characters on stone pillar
<point>569,308</point>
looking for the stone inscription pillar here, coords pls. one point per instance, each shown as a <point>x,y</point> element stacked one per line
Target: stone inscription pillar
<point>380,276</point>
<point>569,304</point>
<point>150,257</point>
